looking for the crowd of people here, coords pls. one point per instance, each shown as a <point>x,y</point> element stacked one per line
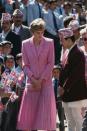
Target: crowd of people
<point>43,65</point>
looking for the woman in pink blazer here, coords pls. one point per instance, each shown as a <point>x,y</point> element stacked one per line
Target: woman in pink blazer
<point>38,110</point>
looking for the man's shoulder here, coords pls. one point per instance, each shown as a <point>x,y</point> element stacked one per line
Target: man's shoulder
<point>13,33</point>
<point>25,28</point>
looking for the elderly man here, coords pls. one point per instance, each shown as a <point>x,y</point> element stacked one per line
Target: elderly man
<point>18,27</point>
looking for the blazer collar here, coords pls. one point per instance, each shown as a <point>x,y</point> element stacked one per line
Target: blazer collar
<point>74,46</point>
<point>13,28</point>
<point>41,46</point>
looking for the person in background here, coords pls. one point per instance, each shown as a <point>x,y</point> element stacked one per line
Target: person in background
<point>6,48</point>
<point>45,7</point>
<point>9,35</point>
<point>60,110</point>
<point>54,22</point>
<point>21,79</point>
<point>17,26</point>
<point>24,7</point>
<point>67,9</point>
<point>19,62</point>
<point>75,26</point>
<point>59,8</point>
<point>80,13</point>
<point>9,99</point>
<point>83,33</point>
<point>67,20</point>
<point>35,10</point>
<point>2,10</point>
<point>6,78</point>
<point>38,62</point>
<point>9,6</point>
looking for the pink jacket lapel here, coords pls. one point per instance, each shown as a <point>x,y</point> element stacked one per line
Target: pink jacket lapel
<point>41,47</point>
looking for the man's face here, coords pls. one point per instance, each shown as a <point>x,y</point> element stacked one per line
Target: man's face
<point>68,9</point>
<point>53,5</point>
<point>6,26</point>
<point>17,20</point>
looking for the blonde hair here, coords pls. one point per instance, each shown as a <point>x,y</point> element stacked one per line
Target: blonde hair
<point>37,24</point>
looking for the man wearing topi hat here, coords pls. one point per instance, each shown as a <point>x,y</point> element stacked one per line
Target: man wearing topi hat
<point>72,85</point>
<point>18,27</point>
<point>8,34</point>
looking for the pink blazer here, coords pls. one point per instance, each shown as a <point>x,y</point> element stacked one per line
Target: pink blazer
<point>38,62</point>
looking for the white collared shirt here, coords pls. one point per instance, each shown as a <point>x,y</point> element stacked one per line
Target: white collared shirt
<point>17,29</point>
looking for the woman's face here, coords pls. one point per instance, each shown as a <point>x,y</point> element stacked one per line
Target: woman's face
<point>38,34</point>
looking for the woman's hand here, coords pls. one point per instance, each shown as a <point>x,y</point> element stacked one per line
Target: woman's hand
<point>36,83</point>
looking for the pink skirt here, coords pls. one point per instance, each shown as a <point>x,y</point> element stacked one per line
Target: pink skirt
<point>38,110</point>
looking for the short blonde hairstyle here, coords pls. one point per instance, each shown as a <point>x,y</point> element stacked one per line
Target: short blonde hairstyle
<point>37,24</point>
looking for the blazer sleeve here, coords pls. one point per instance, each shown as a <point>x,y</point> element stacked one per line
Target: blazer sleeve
<point>50,62</point>
<point>25,61</point>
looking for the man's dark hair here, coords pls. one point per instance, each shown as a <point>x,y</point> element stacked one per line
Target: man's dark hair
<point>72,38</point>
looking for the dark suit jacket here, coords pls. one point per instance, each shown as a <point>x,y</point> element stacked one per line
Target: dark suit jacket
<point>72,76</point>
<point>24,32</point>
<point>15,39</point>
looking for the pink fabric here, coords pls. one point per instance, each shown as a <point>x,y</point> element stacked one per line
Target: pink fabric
<point>64,57</point>
<point>65,32</point>
<point>38,109</point>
